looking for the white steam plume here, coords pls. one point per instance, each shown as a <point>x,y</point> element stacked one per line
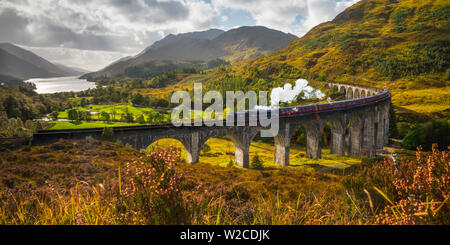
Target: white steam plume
<point>287,93</point>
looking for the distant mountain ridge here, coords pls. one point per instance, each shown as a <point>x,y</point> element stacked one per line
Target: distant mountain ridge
<point>15,67</point>
<point>23,64</point>
<point>35,60</point>
<point>72,70</point>
<point>233,45</point>
<point>171,38</point>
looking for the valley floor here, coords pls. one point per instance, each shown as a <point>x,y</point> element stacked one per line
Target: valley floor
<point>83,125</point>
<point>221,153</point>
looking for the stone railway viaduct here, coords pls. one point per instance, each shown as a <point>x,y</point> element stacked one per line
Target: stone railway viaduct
<point>359,126</point>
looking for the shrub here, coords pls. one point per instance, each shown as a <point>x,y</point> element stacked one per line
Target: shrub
<point>372,160</point>
<point>426,134</point>
<point>403,129</point>
<point>73,115</point>
<point>300,136</point>
<point>89,139</point>
<point>104,116</point>
<point>128,117</point>
<point>389,66</point>
<point>152,148</point>
<point>108,133</point>
<point>155,117</point>
<point>206,148</point>
<point>87,116</point>
<point>414,60</point>
<point>420,191</point>
<point>256,163</point>
<point>141,119</point>
<point>409,192</point>
<point>37,126</point>
<point>401,15</point>
<point>152,189</point>
<point>138,100</point>
<point>54,115</point>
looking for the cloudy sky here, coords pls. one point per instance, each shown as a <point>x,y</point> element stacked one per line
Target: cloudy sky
<point>92,34</point>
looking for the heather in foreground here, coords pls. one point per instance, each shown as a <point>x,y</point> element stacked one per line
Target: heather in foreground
<point>158,188</point>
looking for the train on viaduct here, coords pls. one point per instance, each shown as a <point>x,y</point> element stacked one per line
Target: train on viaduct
<point>359,127</point>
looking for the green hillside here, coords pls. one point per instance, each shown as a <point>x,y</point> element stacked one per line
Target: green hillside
<point>403,45</point>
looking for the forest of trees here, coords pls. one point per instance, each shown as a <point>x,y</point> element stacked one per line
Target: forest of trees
<point>151,69</point>
<point>75,115</point>
<point>108,95</point>
<point>24,103</point>
<point>426,134</point>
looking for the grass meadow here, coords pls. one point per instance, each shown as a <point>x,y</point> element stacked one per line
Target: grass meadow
<point>221,153</point>
<point>99,182</point>
<point>83,125</point>
<point>427,101</point>
<point>111,109</point>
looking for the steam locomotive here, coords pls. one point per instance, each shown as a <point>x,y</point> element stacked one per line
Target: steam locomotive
<point>295,110</point>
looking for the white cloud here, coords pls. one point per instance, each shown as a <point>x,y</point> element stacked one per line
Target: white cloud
<point>101,31</point>
<point>324,10</point>
<point>283,14</point>
<point>91,60</point>
<point>105,27</point>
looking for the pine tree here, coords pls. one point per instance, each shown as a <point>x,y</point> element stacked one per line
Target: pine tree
<point>108,133</point>
<point>141,119</point>
<point>256,163</point>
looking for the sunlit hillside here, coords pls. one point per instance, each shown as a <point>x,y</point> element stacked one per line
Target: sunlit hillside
<point>403,45</point>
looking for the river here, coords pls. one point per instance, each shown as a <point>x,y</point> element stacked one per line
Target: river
<point>60,84</point>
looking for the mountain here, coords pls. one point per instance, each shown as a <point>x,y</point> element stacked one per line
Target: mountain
<point>122,59</point>
<point>231,46</point>
<point>13,66</point>
<point>251,41</point>
<point>370,42</point>
<point>171,38</point>
<point>51,70</point>
<point>72,70</point>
